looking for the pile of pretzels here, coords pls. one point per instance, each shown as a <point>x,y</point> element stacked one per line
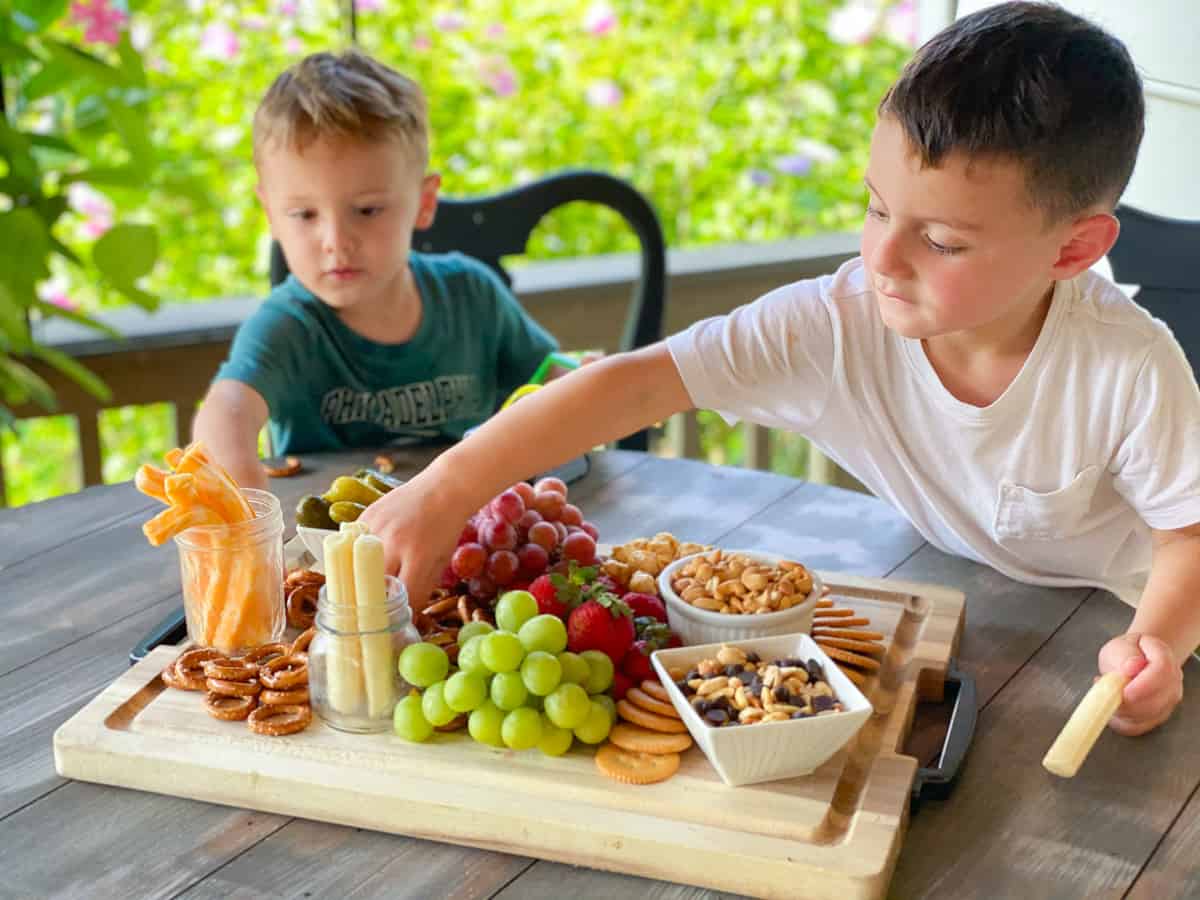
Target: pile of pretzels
<point>267,688</point>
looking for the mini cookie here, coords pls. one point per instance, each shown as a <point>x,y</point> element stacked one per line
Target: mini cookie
<point>857,677</point>
<point>638,697</point>
<point>636,768</point>
<point>642,740</point>
<point>282,467</point>
<point>656,690</point>
<point>852,659</point>
<point>851,633</point>
<point>653,721</point>
<point>868,647</point>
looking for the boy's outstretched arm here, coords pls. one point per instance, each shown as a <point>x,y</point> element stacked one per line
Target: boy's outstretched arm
<point>1164,631</point>
<point>228,423</point>
<point>603,401</point>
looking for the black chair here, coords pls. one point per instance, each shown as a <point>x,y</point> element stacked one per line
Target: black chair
<point>1160,254</point>
<point>492,227</point>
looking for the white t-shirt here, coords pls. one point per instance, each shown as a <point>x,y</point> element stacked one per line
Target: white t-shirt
<point>1057,482</point>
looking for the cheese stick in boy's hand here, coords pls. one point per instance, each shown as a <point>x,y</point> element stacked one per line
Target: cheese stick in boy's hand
<point>343,660</point>
<point>1075,741</point>
<point>378,661</point>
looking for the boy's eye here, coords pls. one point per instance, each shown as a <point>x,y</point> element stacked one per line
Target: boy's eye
<point>875,213</point>
<point>944,249</point>
<point>369,211</point>
<point>304,215</point>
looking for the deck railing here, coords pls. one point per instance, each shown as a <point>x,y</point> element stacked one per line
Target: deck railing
<point>171,355</point>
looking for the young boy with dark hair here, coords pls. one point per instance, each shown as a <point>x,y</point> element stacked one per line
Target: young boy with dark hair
<point>968,368</point>
<point>367,342</point>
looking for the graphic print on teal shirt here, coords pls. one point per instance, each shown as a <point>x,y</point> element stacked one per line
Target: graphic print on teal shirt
<point>329,388</point>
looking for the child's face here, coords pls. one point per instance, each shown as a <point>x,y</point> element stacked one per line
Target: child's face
<point>957,248</point>
<point>344,211</point>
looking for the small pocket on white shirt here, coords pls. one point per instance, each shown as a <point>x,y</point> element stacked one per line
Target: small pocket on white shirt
<point>1024,514</point>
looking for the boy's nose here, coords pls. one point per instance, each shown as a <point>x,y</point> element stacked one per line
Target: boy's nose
<point>337,238</point>
<point>888,257</point>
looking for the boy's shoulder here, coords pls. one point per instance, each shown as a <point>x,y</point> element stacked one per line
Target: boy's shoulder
<point>456,271</point>
<point>1100,311</point>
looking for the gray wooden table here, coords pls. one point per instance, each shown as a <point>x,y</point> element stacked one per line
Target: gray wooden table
<point>79,586</point>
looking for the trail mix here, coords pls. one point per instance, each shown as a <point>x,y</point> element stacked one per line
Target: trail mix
<point>738,688</point>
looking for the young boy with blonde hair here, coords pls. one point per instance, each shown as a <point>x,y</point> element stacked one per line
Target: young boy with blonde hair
<point>367,342</point>
<point>968,367</point>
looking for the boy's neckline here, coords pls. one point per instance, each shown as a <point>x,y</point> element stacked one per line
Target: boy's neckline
<point>366,343</point>
<point>919,359</point>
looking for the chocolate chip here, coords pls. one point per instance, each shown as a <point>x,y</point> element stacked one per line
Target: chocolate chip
<point>752,657</point>
<point>822,702</point>
<point>717,716</point>
<point>746,677</point>
<point>756,686</point>
<point>782,695</point>
<point>731,671</point>
<point>815,672</point>
<point>801,714</point>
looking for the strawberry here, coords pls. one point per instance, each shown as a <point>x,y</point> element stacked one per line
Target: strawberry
<point>674,641</point>
<point>636,662</point>
<point>621,684</point>
<point>546,594</point>
<point>645,605</point>
<point>601,622</point>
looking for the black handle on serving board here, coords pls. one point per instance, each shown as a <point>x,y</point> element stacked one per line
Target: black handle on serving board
<point>936,782</point>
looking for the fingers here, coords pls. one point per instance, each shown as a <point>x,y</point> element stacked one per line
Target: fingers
<point>1156,682</point>
<point>1156,678</point>
<point>1123,654</point>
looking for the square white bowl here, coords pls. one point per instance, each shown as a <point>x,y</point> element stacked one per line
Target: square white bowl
<point>767,751</point>
<point>314,540</point>
<point>702,626</point>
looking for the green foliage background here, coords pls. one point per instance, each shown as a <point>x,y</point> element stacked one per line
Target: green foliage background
<point>742,122</point>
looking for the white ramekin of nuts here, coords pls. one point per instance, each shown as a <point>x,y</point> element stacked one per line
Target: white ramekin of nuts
<point>728,595</point>
<point>762,709</point>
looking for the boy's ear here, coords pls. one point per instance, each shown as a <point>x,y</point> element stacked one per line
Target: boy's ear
<point>262,201</point>
<point>427,208</point>
<point>1088,239</point>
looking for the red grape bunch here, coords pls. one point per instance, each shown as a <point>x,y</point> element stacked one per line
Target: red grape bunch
<point>518,535</point>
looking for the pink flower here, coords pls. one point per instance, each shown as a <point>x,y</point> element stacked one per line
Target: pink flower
<point>293,45</point>
<point>368,5</point>
<point>103,22</point>
<point>901,23</point>
<point>496,30</point>
<point>604,93</point>
<point>254,23</point>
<point>600,19</point>
<point>288,7</point>
<point>54,291</point>
<point>421,42</point>
<point>219,41</point>
<point>498,75</point>
<point>450,21</point>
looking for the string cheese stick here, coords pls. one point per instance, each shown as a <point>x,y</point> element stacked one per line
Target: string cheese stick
<point>370,591</point>
<point>1075,741</point>
<point>343,661</point>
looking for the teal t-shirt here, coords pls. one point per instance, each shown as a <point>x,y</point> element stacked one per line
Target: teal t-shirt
<point>329,388</point>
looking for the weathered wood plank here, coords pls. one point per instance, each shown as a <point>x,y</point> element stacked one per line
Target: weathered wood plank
<point>679,496</point>
<point>1173,872</point>
<point>38,527</point>
<point>550,881</point>
<point>37,698</point>
<point>839,530</point>
<point>1010,823</point>
<point>85,840</point>
<point>323,860</point>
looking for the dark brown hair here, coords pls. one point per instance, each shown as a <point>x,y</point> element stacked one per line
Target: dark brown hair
<point>1032,83</point>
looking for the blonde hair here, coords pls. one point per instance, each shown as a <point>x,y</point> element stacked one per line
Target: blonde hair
<point>348,94</point>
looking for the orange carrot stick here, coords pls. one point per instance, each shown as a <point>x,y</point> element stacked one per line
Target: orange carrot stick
<point>149,480</point>
<point>175,519</point>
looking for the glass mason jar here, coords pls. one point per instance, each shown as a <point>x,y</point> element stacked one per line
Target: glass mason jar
<point>353,675</point>
<point>233,579</point>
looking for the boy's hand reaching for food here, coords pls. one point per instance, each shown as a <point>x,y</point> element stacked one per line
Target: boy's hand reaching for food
<point>1155,685</point>
<point>419,529</point>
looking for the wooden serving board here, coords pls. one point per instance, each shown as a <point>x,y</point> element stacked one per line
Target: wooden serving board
<point>764,840</point>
